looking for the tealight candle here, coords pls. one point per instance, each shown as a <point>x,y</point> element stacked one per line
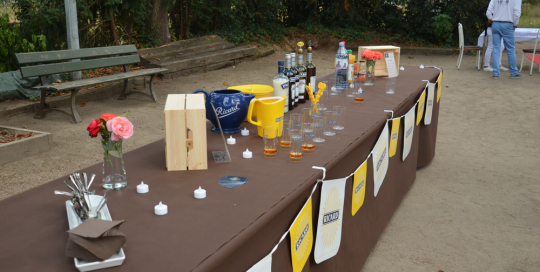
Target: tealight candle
<point>421,66</point>
<point>231,140</point>
<point>247,154</point>
<point>200,193</point>
<point>245,132</point>
<point>401,68</point>
<point>161,209</point>
<point>142,188</point>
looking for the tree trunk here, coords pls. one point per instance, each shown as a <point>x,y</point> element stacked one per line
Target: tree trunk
<point>158,21</point>
<point>113,29</point>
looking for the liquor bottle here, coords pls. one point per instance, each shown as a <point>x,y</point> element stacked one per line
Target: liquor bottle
<point>342,61</point>
<point>297,75</point>
<point>311,76</point>
<point>292,80</point>
<point>281,85</point>
<point>302,73</point>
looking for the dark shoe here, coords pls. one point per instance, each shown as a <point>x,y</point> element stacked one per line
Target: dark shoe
<point>495,77</point>
<point>517,76</point>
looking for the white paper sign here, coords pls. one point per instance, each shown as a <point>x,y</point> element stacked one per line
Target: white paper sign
<point>429,103</point>
<point>408,132</point>
<point>264,265</point>
<point>380,159</point>
<point>330,219</point>
<point>390,64</point>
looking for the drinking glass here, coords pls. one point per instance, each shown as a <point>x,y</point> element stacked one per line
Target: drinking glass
<point>309,134</point>
<point>391,85</point>
<point>285,140</point>
<point>330,122</point>
<point>340,113</point>
<point>270,138</point>
<point>315,110</point>
<point>307,115</point>
<point>296,153</point>
<point>359,98</point>
<point>351,91</point>
<point>323,98</point>
<point>320,124</point>
<point>297,120</point>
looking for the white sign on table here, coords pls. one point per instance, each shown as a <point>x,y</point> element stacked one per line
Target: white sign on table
<point>390,64</point>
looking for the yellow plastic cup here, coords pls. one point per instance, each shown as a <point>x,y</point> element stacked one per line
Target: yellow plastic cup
<point>269,111</point>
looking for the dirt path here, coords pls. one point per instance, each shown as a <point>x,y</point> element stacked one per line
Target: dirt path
<point>474,208</point>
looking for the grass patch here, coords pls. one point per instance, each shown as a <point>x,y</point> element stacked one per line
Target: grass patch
<point>530,16</point>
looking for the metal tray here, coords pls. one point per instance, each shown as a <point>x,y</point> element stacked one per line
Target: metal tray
<point>115,260</point>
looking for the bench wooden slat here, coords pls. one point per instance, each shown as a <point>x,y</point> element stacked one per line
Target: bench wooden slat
<point>42,57</point>
<point>100,80</point>
<point>64,67</point>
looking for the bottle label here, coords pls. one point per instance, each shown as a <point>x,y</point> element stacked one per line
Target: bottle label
<point>303,74</point>
<point>301,88</point>
<point>309,57</point>
<point>313,82</point>
<point>280,70</point>
<point>285,86</point>
<point>350,74</point>
<point>342,63</point>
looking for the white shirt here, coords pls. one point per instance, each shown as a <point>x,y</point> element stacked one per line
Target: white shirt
<point>504,11</point>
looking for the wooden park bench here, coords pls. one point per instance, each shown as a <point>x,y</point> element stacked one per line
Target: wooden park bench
<point>56,62</point>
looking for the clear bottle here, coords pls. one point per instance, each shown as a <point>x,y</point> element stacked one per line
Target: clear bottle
<point>297,75</point>
<point>362,71</point>
<point>342,66</point>
<point>292,80</point>
<point>311,76</point>
<point>302,74</point>
<point>281,85</point>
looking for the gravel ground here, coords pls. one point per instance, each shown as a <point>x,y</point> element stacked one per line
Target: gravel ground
<point>474,208</point>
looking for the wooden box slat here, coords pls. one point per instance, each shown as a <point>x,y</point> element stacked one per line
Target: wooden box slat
<point>196,123</point>
<point>380,66</point>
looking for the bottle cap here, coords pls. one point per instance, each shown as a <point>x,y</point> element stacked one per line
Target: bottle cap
<point>247,154</point>
<point>300,44</point>
<point>200,193</point>
<point>142,188</point>
<point>280,63</point>
<point>349,51</point>
<point>161,209</point>
<point>342,44</point>
<point>245,132</point>
<point>231,140</point>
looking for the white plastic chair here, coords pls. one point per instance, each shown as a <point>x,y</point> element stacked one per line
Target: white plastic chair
<point>462,48</point>
<point>530,53</point>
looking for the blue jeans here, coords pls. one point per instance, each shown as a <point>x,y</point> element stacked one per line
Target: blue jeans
<point>506,32</point>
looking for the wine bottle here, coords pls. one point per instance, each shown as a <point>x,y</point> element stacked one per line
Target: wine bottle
<point>297,76</point>
<point>302,73</point>
<point>311,76</point>
<point>292,80</point>
<point>281,85</point>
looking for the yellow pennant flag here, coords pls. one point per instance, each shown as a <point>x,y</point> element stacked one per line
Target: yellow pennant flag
<point>421,104</point>
<point>394,137</point>
<point>439,90</point>
<point>301,237</point>
<point>359,187</point>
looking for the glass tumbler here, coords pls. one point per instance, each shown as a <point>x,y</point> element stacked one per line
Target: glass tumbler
<point>270,138</point>
<point>319,123</point>
<point>297,120</point>
<point>296,153</point>
<point>322,99</point>
<point>285,139</point>
<point>359,98</point>
<point>307,115</point>
<point>309,134</point>
<point>351,91</point>
<point>315,110</point>
<point>391,86</point>
<point>340,113</point>
<point>330,123</point>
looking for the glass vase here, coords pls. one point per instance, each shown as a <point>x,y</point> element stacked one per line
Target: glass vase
<point>114,173</point>
<point>370,73</point>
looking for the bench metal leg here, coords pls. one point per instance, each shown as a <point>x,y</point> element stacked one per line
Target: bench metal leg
<point>41,111</point>
<point>74,114</point>
<point>123,95</point>
<point>152,93</point>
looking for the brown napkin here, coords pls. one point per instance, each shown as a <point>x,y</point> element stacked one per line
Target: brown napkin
<point>95,240</point>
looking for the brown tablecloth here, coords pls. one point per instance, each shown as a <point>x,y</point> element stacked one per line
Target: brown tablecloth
<point>231,230</point>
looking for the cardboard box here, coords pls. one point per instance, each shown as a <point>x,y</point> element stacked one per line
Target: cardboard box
<point>380,66</point>
<point>185,132</point>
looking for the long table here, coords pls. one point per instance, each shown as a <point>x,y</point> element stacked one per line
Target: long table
<point>231,230</point>
<point>520,35</point>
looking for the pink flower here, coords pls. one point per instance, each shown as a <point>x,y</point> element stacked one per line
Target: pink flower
<point>120,128</point>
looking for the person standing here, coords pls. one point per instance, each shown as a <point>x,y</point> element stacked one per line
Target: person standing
<point>504,15</point>
<point>487,58</point>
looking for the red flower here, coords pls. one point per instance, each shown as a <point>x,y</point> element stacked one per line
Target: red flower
<point>94,127</point>
<point>107,116</point>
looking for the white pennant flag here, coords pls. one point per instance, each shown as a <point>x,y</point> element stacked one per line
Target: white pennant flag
<point>429,103</point>
<point>330,219</point>
<point>380,159</point>
<point>408,132</point>
<point>264,265</point>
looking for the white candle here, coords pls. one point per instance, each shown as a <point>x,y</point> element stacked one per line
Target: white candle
<point>231,140</point>
<point>247,154</point>
<point>142,188</point>
<point>200,193</point>
<point>245,132</point>
<point>161,209</point>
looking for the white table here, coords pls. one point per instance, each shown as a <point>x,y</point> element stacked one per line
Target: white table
<point>521,35</point>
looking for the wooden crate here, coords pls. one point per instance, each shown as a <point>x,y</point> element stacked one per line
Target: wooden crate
<point>380,66</point>
<point>185,132</point>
